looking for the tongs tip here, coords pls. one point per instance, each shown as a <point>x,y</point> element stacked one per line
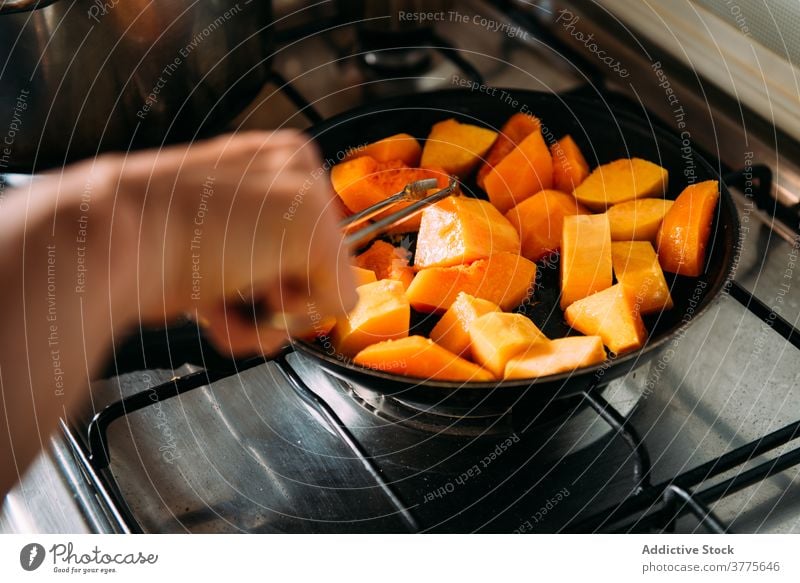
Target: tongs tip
<point>419,188</point>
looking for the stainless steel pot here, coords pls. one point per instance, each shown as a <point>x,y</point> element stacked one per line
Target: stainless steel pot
<point>82,76</point>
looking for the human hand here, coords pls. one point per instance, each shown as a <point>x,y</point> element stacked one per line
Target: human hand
<point>233,219</point>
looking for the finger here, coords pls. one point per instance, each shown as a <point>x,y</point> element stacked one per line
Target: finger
<point>311,250</point>
<point>289,296</point>
<point>271,152</point>
<point>234,332</point>
<point>331,282</point>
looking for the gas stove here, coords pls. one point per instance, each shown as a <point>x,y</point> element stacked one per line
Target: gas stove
<point>700,439</point>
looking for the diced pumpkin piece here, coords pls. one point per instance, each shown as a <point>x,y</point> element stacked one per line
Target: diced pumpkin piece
<point>539,221</point>
<point>364,181</point>
<point>526,170</point>
<point>621,181</point>
<point>684,232</point>
<point>417,356</point>
<point>452,330</point>
<point>518,127</point>
<point>363,276</point>
<point>387,262</point>
<point>357,181</point>
<point>505,279</point>
<point>585,257</point>
<point>497,337</point>
<point>403,147</point>
<point>382,312</point>
<point>611,315</point>
<point>569,166</point>
<point>637,220</point>
<point>636,267</point>
<point>556,356</point>
<point>460,229</point>
<point>456,147</point>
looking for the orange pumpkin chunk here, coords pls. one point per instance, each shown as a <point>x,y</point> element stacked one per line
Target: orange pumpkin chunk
<point>420,357</point>
<point>637,220</point>
<point>621,181</point>
<point>358,182</point>
<point>569,166</point>
<point>610,314</point>
<point>387,262</point>
<point>497,337</point>
<point>636,267</point>
<point>381,313</point>
<point>505,279</point>
<point>518,127</point>
<point>363,276</point>
<point>459,229</point>
<point>456,147</point>
<point>585,257</point>
<point>683,236</point>
<point>452,330</point>
<point>556,356</point>
<point>403,147</point>
<point>539,221</point>
<point>364,181</point>
<point>526,170</point>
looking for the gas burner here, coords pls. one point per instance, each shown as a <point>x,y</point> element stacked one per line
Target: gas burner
<point>466,422</point>
<point>396,62</point>
<point>439,419</point>
<point>390,45</point>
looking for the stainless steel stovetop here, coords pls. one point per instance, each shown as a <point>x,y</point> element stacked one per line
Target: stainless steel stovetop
<point>284,447</point>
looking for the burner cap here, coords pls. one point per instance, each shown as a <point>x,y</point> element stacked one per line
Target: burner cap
<point>390,53</point>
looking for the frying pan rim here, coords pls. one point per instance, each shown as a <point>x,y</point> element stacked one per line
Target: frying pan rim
<point>726,207</point>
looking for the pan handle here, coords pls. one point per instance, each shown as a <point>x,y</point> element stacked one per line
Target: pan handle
<point>759,177</point>
<point>758,180</point>
<point>12,6</point>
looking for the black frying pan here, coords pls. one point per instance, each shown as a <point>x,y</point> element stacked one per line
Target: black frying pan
<point>603,134</point>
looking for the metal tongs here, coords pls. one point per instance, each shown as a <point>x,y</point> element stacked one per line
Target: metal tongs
<point>414,192</point>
